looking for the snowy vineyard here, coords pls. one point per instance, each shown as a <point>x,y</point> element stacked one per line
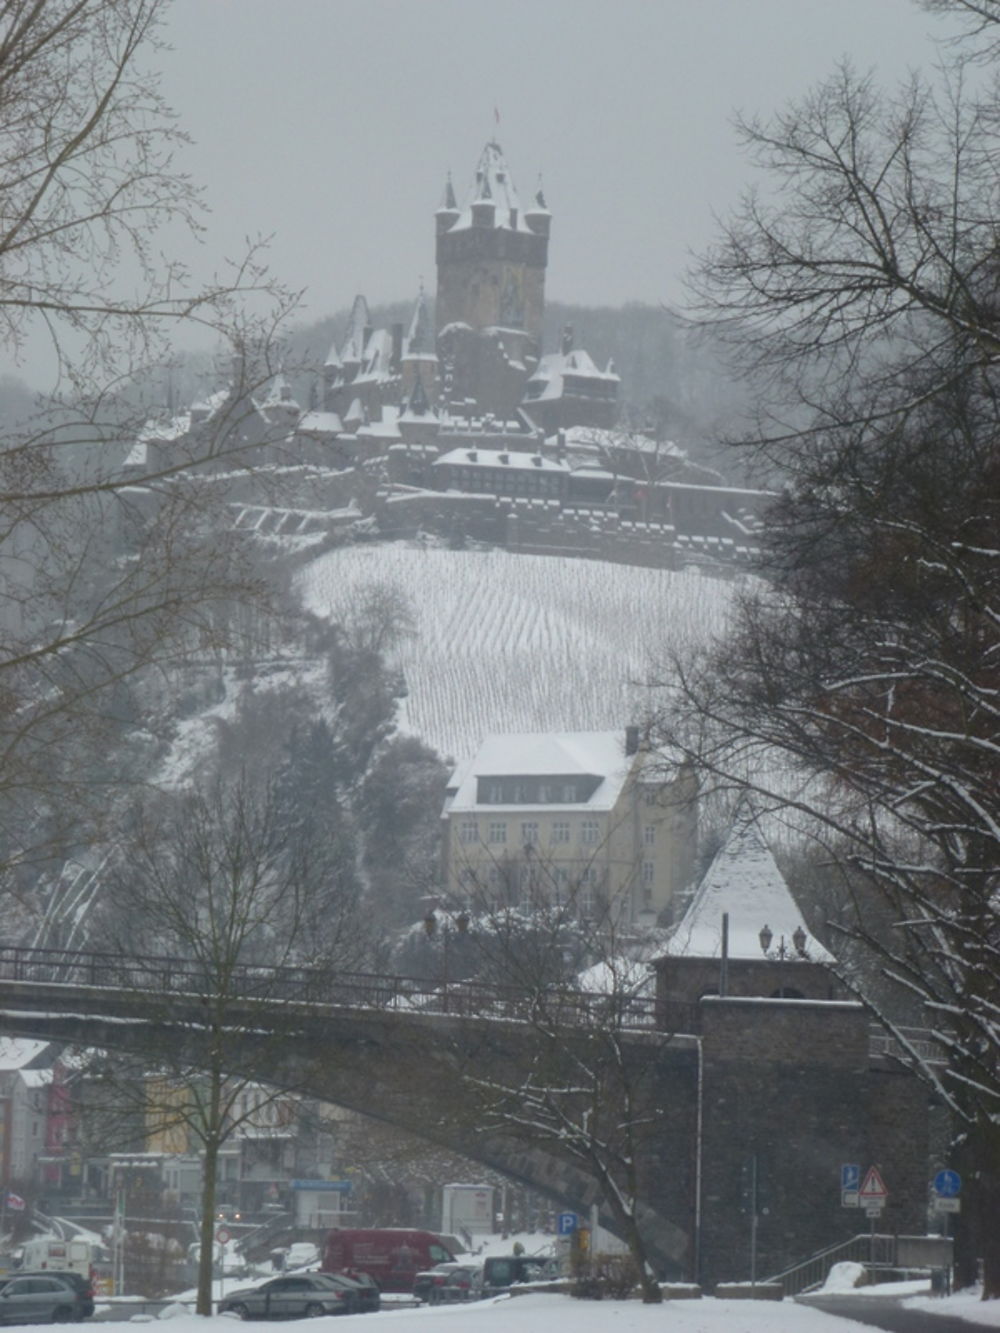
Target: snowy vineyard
<point>523,643</point>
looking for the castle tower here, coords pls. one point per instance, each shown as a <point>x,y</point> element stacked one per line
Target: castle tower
<point>491,259</point>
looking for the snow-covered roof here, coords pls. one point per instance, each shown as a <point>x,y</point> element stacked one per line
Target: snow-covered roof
<point>743,880</point>
<point>19,1052</point>
<point>513,458</point>
<point>320,423</point>
<point>37,1078</point>
<point>420,336</point>
<point>599,754</point>
<point>547,379</point>
<point>493,185</point>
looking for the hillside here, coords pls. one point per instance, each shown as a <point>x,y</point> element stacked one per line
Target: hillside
<point>522,643</point>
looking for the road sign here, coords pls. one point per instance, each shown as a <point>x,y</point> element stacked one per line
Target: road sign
<point>850,1183</point>
<point>568,1223</point>
<point>873,1210</point>
<point>222,1235</point>
<point>943,1205</point>
<point>873,1190</point>
<point>947,1184</point>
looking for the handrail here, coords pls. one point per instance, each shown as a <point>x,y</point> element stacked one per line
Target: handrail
<point>875,1251</point>
<point>165,975</point>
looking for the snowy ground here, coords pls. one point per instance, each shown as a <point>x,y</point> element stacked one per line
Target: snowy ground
<point>541,1313</point>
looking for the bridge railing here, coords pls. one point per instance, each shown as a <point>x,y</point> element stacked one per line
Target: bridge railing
<point>152,975</point>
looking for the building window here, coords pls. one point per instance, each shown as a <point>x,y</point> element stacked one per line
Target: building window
<point>652,797</point>
<point>468,831</point>
<point>649,835</point>
<point>648,873</point>
<point>590,831</point>
<point>544,793</point>
<point>560,831</point>
<point>498,832</point>
<point>569,791</point>
<point>529,834</point>
<point>495,793</point>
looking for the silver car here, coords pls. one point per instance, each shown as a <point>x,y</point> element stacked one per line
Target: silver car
<point>41,1298</point>
<point>294,1297</point>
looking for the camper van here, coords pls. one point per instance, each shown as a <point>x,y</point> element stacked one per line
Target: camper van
<point>393,1256</point>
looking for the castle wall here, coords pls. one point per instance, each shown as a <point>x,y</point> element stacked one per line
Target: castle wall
<point>792,1084</point>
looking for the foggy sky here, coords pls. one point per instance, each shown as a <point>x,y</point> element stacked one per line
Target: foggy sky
<point>332,125</point>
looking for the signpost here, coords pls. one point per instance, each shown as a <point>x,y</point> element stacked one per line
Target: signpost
<point>947,1186</point>
<point>850,1184</point>
<point>221,1238</point>
<point>872,1196</point>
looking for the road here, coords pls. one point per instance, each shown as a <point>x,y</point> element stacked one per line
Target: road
<point>887,1312</point>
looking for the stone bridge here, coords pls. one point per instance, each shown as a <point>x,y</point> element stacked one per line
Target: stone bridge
<point>405,1052</point>
<point>781,1091</point>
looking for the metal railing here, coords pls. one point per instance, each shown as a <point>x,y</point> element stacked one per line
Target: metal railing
<point>153,975</point>
<point>875,1252</point>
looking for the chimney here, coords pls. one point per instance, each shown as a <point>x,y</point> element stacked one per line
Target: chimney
<point>631,741</point>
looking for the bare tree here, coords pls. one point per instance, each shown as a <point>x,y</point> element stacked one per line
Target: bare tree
<point>104,570</point>
<point>584,1092</point>
<point>254,911</point>
<point>857,689</point>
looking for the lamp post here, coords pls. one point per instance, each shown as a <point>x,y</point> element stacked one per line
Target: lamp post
<point>459,922</point>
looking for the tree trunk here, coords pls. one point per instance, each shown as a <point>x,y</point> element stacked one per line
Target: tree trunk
<point>210,1163</point>
<point>988,1201</point>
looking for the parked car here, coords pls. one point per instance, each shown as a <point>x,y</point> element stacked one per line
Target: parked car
<point>445,1283</point>
<point>361,1290</point>
<point>501,1271</point>
<point>83,1286</point>
<point>42,1298</point>
<point>300,1294</point>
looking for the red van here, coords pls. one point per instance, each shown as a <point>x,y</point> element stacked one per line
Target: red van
<point>393,1256</point>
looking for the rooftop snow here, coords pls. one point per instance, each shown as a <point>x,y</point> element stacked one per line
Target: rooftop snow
<point>475,457</point>
<point>562,754</point>
<point>493,184</point>
<point>19,1052</point>
<point>745,882</point>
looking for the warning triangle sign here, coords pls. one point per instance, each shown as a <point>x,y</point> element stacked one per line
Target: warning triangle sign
<point>873,1186</point>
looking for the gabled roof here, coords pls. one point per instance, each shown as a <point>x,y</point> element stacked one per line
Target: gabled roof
<point>745,882</point>
<point>547,378</point>
<point>598,754</point>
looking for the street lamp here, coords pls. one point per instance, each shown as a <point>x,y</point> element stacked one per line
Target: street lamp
<point>460,923</point>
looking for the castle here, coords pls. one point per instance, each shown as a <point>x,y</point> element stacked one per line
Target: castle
<point>459,422</point>
<point>482,357</point>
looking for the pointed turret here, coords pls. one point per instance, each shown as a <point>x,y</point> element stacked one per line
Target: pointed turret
<point>538,217</point>
<point>448,214</point>
<point>352,349</point>
<point>484,210</point>
<point>420,337</point>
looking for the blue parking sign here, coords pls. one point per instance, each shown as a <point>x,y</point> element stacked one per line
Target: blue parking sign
<point>850,1176</point>
<point>568,1223</point>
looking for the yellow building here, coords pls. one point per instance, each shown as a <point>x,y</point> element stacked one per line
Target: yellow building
<point>587,818</point>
